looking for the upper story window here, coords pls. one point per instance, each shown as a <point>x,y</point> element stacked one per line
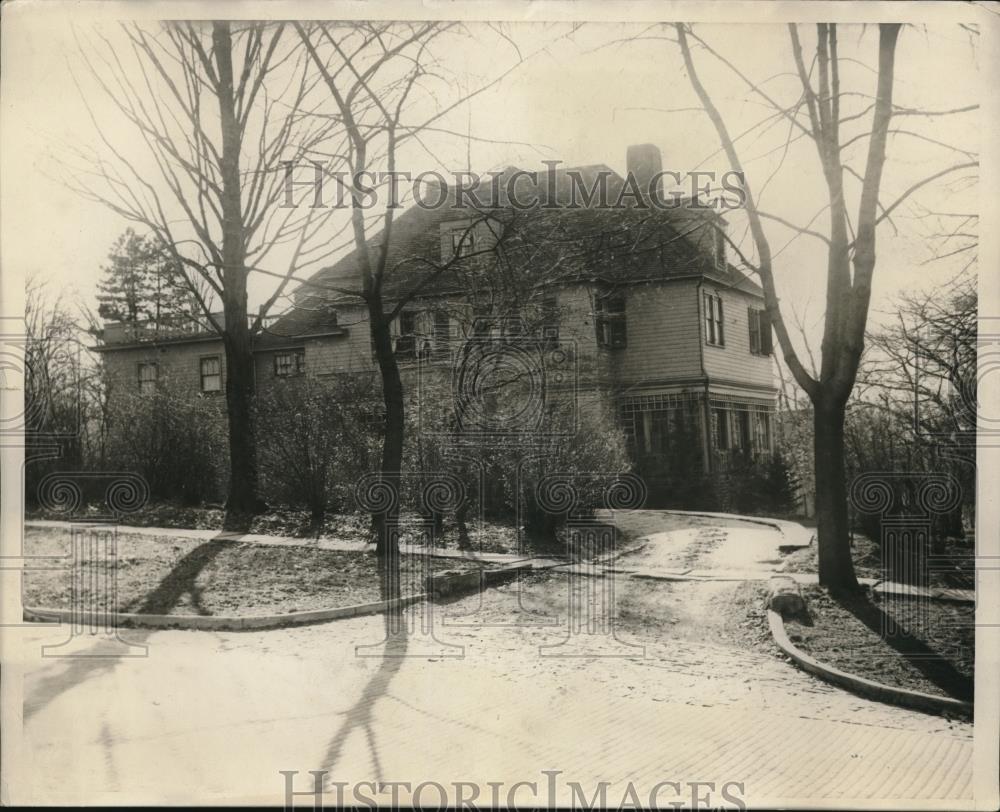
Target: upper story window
<point>720,248</point>
<point>482,324</point>
<point>442,332</point>
<point>406,341</point>
<point>148,374</point>
<point>287,364</point>
<point>712,308</point>
<point>760,332</point>
<point>463,242</point>
<point>210,370</point>
<point>512,325</point>
<point>550,320</point>
<point>612,328</point>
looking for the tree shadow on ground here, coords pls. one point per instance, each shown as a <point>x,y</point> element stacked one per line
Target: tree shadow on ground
<point>361,713</point>
<point>66,672</point>
<point>182,580</point>
<point>934,667</point>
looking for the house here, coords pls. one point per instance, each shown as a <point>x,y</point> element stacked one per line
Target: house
<point>639,308</point>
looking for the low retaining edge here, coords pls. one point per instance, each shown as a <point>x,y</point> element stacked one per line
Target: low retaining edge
<point>219,622</point>
<point>859,685</point>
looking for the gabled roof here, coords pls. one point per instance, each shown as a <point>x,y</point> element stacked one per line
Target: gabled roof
<point>558,244</point>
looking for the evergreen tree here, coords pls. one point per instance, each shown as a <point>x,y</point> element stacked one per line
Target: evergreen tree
<point>141,282</point>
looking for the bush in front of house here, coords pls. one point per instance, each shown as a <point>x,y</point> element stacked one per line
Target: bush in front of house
<point>503,468</point>
<point>176,442</point>
<point>317,438</point>
<point>762,485</point>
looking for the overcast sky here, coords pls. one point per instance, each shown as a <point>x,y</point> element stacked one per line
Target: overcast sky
<point>583,99</point>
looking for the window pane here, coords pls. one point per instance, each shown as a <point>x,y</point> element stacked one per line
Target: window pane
<point>147,377</point>
<point>289,363</point>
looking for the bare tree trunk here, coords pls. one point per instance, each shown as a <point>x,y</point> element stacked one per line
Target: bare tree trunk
<point>836,569</point>
<point>386,546</point>
<point>243,501</point>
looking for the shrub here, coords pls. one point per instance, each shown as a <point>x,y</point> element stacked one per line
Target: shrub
<point>763,485</point>
<point>503,471</point>
<point>316,440</point>
<point>175,441</point>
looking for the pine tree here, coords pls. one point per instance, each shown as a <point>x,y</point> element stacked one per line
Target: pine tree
<point>141,282</point>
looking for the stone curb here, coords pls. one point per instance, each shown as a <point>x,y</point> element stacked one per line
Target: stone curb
<point>451,584</point>
<point>859,685</point>
<point>217,622</point>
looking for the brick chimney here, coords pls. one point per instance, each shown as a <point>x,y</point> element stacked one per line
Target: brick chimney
<point>643,161</point>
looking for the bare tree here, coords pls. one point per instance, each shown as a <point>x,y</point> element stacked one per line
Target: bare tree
<point>850,247</point>
<point>384,80</point>
<point>214,108</point>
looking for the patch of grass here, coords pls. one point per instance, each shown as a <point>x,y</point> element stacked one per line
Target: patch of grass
<point>157,575</point>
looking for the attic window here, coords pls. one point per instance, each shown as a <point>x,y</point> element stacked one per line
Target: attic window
<point>720,249</point>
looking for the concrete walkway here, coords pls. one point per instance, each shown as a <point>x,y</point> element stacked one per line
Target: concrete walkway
<point>214,717</point>
<point>496,687</point>
<point>338,545</point>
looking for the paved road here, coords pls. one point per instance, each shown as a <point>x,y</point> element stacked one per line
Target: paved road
<point>669,696</point>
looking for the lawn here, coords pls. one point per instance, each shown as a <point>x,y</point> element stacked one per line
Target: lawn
<point>159,575</point>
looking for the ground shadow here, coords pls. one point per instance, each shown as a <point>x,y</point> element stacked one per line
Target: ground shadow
<point>181,580</point>
<point>69,671</point>
<point>360,715</point>
<point>934,667</point>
